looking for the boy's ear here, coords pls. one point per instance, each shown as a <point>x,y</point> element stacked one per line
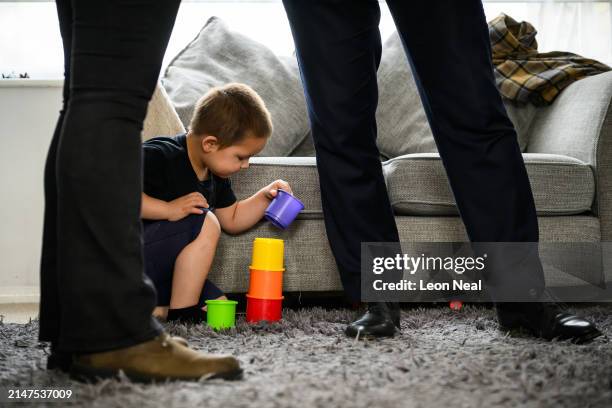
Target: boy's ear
<point>209,143</point>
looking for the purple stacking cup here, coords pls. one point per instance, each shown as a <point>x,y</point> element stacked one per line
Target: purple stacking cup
<point>283,209</point>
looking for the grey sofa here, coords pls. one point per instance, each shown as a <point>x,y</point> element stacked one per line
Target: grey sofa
<point>568,159</point>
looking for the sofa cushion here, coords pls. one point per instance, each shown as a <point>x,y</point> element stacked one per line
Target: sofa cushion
<point>218,56</point>
<point>402,124</point>
<point>418,185</point>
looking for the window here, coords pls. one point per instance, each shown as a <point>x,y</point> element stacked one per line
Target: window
<point>30,40</point>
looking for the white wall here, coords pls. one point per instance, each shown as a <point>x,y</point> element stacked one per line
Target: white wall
<point>28,113</point>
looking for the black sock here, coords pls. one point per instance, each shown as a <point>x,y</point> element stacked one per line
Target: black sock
<point>59,359</point>
<point>191,314</point>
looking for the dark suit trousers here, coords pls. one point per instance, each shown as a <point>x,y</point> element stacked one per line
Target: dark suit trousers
<point>447,45</point>
<point>94,294</point>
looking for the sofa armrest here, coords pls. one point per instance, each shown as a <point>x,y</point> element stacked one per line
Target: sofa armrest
<point>579,124</point>
<point>603,177</point>
<point>161,119</point>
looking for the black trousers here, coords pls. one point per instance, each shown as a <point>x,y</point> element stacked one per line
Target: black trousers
<point>447,45</point>
<point>94,294</point>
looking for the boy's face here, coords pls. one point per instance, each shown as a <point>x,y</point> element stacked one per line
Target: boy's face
<point>230,160</point>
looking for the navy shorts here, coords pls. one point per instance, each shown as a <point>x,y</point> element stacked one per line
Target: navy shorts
<point>163,242</point>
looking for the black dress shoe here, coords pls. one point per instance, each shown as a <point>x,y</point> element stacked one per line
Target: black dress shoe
<point>546,320</point>
<point>380,320</point>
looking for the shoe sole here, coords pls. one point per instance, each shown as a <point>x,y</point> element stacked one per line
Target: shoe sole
<point>372,336</point>
<point>587,338</point>
<point>521,331</point>
<point>369,336</point>
<point>88,374</point>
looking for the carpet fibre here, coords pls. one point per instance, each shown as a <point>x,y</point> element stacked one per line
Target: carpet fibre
<point>442,358</point>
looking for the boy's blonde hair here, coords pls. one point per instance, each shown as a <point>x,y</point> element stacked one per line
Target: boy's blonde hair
<point>231,113</point>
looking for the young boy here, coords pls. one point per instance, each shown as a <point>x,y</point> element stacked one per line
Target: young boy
<point>187,197</point>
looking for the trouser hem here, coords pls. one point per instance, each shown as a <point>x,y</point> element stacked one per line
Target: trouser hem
<point>76,346</point>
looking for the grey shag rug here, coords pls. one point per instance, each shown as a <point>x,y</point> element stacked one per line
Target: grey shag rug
<point>442,358</point>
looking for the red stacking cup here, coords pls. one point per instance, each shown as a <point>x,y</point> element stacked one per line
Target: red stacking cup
<point>263,309</point>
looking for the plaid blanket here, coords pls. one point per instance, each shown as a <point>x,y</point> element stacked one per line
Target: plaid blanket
<point>524,75</point>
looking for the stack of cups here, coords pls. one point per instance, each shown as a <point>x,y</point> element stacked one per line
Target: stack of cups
<point>265,297</point>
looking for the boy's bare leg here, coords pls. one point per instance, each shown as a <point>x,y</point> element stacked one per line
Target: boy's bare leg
<point>193,264</point>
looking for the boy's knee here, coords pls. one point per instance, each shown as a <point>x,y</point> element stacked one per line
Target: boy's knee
<point>211,227</point>
<point>205,227</point>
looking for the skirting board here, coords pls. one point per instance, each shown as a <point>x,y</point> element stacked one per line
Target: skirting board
<point>19,294</point>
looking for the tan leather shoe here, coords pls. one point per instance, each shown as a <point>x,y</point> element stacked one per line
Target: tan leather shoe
<point>163,358</point>
<point>180,340</point>
<point>58,360</point>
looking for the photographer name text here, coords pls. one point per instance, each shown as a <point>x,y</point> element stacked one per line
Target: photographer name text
<point>408,285</point>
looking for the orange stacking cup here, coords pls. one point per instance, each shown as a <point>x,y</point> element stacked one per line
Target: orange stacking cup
<point>266,284</point>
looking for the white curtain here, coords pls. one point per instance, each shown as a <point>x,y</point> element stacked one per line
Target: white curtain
<point>30,40</point>
<point>581,27</point>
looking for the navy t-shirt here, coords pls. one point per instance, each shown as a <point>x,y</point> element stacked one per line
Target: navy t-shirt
<point>168,174</point>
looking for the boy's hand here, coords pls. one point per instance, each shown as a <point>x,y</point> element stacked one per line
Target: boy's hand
<point>271,190</point>
<point>183,206</point>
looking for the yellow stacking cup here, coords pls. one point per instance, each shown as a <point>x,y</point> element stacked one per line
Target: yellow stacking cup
<point>268,254</point>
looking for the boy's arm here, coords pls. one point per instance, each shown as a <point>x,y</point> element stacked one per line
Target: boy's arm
<point>153,209</point>
<point>242,215</point>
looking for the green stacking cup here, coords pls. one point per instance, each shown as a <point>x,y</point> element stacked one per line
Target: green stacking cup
<point>221,314</point>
